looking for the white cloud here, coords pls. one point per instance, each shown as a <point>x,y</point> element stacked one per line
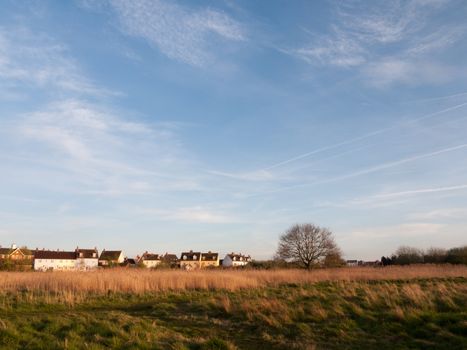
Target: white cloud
<point>410,72</point>
<point>179,32</point>
<point>392,42</point>
<point>340,51</point>
<point>103,153</point>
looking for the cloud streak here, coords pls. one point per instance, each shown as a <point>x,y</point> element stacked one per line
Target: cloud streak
<point>364,137</point>
<point>390,43</point>
<point>38,60</point>
<point>370,170</point>
<point>181,33</point>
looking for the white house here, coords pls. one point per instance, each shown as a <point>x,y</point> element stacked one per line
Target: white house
<point>45,260</point>
<point>235,260</point>
<point>87,259</point>
<point>190,260</point>
<point>150,260</point>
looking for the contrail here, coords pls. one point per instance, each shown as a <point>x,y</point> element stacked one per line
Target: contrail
<point>363,137</point>
<point>422,190</point>
<point>439,98</point>
<point>372,169</point>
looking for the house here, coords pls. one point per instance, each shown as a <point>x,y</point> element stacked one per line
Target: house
<point>235,260</point>
<point>170,260</point>
<point>209,259</point>
<point>49,260</point>
<point>15,258</point>
<point>150,260</point>
<point>352,263</point>
<point>129,262</point>
<point>111,258</point>
<point>190,260</point>
<point>16,254</point>
<point>87,259</point>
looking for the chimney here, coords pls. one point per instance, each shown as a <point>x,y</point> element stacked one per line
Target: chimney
<point>13,246</point>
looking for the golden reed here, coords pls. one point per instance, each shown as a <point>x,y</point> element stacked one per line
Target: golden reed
<point>143,281</point>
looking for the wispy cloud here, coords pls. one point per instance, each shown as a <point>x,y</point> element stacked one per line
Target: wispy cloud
<point>38,61</point>
<point>419,191</point>
<point>260,175</point>
<point>341,51</point>
<point>410,72</point>
<point>397,198</point>
<point>185,34</point>
<point>389,41</point>
<point>440,214</point>
<point>103,152</point>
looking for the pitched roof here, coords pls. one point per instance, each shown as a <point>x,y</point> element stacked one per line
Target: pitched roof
<point>191,255</point>
<point>150,256</point>
<point>26,251</point>
<point>110,254</point>
<point>209,256</point>
<point>130,261</point>
<point>52,254</point>
<point>6,251</point>
<point>169,257</point>
<point>87,253</point>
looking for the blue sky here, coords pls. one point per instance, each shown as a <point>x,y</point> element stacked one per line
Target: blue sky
<point>216,125</point>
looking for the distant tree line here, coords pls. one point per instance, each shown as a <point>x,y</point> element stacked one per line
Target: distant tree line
<point>409,255</point>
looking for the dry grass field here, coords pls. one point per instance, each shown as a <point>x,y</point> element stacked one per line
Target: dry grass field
<point>143,281</point>
<point>349,308</point>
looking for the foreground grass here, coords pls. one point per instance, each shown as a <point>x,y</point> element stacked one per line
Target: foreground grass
<point>418,313</point>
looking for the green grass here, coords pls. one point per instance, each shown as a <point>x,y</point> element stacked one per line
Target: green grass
<point>422,314</point>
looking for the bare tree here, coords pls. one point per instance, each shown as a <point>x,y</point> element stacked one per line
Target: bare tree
<point>408,255</point>
<point>306,244</point>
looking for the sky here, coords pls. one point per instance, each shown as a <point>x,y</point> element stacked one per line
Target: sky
<point>216,125</point>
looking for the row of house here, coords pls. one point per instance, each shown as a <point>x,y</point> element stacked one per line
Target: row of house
<point>196,260</point>
<point>89,259</point>
<point>354,263</point>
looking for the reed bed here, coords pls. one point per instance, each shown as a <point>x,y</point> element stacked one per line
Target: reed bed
<point>140,281</point>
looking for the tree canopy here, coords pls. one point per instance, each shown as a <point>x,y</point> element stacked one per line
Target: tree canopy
<point>308,245</point>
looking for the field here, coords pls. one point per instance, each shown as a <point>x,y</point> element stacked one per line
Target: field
<point>349,308</point>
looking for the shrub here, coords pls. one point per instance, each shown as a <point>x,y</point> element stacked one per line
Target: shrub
<point>435,256</point>
<point>457,255</point>
<point>408,255</point>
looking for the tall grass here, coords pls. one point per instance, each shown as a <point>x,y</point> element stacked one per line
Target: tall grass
<point>143,281</point>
